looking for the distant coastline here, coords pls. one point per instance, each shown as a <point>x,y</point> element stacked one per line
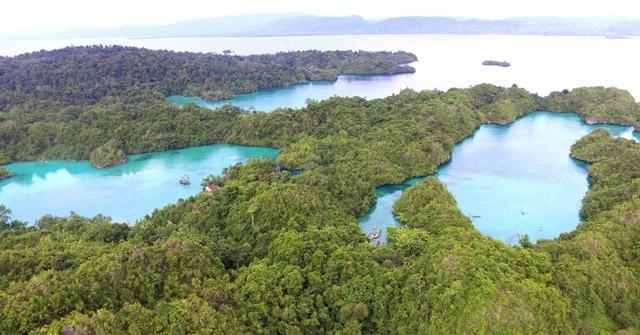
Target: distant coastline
<point>309,25</point>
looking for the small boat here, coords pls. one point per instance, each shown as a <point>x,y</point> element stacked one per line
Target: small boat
<point>523,212</point>
<point>375,235</point>
<point>475,216</point>
<point>185,180</point>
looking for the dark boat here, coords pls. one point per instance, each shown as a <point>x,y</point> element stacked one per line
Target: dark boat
<point>185,180</point>
<point>496,63</point>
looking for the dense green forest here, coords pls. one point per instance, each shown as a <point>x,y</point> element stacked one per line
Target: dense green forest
<point>67,103</point>
<point>276,253</point>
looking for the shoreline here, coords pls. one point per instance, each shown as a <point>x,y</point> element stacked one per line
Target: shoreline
<point>203,102</point>
<point>60,160</point>
<point>404,184</point>
<point>112,164</point>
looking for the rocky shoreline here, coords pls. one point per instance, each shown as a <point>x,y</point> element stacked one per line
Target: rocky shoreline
<point>594,121</point>
<point>4,174</point>
<point>110,164</point>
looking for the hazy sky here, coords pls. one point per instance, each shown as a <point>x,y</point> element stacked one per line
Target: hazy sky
<point>28,14</point>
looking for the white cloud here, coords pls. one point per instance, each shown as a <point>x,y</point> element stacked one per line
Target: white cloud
<point>28,14</point>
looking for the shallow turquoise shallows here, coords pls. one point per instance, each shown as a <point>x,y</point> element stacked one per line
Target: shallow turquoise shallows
<point>126,192</point>
<point>513,179</point>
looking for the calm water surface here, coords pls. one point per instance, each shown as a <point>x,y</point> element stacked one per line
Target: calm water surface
<point>126,192</point>
<point>502,172</point>
<point>295,96</point>
<point>539,63</point>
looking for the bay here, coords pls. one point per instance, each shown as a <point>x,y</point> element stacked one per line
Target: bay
<point>512,179</point>
<point>126,192</point>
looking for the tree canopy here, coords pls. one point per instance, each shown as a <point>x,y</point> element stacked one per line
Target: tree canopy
<point>273,252</point>
<point>67,103</point>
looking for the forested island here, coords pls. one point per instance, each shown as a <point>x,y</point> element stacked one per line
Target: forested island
<point>100,103</point>
<point>270,252</point>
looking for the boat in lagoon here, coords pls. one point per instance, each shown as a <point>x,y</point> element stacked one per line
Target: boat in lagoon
<point>551,190</point>
<point>375,235</point>
<point>149,181</point>
<point>185,180</point>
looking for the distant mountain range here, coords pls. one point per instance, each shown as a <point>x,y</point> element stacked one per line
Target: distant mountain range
<point>299,24</point>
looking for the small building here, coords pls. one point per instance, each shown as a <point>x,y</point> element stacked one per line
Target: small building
<point>212,188</point>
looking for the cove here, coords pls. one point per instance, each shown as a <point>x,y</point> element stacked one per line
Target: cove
<point>295,96</point>
<point>126,192</point>
<point>511,179</point>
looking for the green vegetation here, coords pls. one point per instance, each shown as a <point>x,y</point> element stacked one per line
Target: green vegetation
<point>597,265</point>
<point>614,181</point>
<point>597,105</point>
<point>4,173</point>
<point>108,154</point>
<point>276,253</point>
<point>67,103</point>
<point>599,145</point>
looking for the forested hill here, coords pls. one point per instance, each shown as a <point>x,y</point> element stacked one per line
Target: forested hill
<point>85,75</point>
<point>276,253</point>
<point>66,103</point>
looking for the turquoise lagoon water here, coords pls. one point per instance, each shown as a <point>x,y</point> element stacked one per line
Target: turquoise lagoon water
<point>490,165</point>
<point>513,179</point>
<point>126,192</point>
<point>502,172</point>
<point>295,96</point>
<point>496,175</point>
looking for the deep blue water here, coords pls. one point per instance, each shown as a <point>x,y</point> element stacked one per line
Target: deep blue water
<point>502,172</point>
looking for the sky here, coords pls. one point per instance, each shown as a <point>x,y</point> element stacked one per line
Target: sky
<point>19,15</point>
